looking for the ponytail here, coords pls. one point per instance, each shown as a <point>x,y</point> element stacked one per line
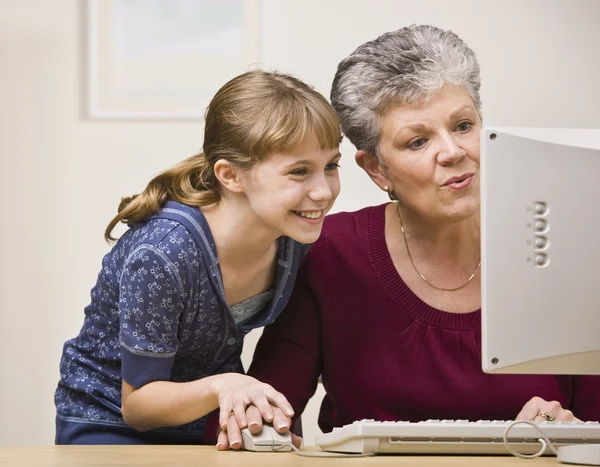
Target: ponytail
<point>190,182</point>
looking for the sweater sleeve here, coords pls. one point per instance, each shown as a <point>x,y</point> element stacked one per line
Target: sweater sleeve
<point>288,355</point>
<point>585,402</point>
<point>150,307</point>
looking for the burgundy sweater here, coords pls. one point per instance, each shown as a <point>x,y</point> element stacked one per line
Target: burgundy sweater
<point>382,352</point>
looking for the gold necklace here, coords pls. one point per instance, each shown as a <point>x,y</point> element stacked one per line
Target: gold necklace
<point>417,271</point>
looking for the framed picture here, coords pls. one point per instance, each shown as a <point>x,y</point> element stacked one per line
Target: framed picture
<point>165,59</point>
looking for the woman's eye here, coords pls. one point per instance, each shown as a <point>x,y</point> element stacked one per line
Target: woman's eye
<point>464,126</point>
<point>417,143</point>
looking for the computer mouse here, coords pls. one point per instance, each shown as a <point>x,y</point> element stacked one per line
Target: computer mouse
<point>266,440</point>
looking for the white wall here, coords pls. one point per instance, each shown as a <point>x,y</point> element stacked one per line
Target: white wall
<point>61,176</point>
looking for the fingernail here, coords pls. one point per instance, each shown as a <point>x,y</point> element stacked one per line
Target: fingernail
<point>219,445</point>
<point>269,416</point>
<point>289,412</point>
<point>253,424</point>
<point>280,427</point>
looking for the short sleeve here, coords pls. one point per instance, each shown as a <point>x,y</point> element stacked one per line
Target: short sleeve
<point>150,307</point>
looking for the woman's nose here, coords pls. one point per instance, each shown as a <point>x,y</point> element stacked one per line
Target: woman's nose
<point>450,152</point>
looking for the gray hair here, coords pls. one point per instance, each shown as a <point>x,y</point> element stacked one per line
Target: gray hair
<point>403,66</point>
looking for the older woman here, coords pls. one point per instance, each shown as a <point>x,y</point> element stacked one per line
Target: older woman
<point>387,304</point>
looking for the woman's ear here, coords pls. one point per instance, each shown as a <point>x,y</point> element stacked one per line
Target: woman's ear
<point>373,167</point>
<point>229,176</point>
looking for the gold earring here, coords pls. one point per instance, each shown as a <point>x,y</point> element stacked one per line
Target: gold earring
<point>391,193</point>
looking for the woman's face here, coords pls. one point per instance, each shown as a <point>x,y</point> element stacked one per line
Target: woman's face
<point>430,154</point>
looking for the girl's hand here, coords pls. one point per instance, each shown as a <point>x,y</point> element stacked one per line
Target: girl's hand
<point>232,436</point>
<point>235,392</point>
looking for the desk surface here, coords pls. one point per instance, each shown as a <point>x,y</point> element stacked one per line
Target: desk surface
<point>196,456</point>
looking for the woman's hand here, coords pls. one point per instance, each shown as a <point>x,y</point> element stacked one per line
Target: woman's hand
<point>536,407</point>
<point>231,437</point>
<point>235,392</point>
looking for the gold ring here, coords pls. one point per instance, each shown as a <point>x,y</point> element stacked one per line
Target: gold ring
<point>546,416</point>
<point>231,414</point>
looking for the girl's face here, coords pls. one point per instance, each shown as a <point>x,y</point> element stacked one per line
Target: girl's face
<point>290,193</point>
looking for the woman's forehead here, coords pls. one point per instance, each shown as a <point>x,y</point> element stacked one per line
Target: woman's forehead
<point>443,105</point>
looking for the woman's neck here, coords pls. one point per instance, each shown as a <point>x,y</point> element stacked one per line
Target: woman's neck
<point>444,242</point>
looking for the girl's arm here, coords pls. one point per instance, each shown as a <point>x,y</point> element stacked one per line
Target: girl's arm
<point>164,403</point>
<point>153,291</point>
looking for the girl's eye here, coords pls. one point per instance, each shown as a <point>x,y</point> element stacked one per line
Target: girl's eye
<point>417,143</point>
<point>299,172</point>
<point>464,126</point>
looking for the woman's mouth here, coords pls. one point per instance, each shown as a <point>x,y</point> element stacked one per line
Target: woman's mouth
<point>458,183</point>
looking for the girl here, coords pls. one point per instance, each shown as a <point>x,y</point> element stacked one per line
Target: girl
<point>212,252</point>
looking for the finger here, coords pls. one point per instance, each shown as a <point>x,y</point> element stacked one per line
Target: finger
<point>548,411</point>
<point>278,399</point>
<point>555,410</point>
<point>566,416</point>
<point>539,419</point>
<point>239,409</point>
<point>264,407</point>
<point>222,441</point>
<point>234,433</point>
<point>224,411</point>
<point>297,441</point>
<point>531,409</point>
<point>254,418</point>
<point>281,422</point>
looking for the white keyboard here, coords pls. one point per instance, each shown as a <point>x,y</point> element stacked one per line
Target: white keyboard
<point>453,437</point>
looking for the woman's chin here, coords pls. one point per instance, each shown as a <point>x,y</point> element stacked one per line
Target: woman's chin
<point>460,209</point>
<point>465,212</point>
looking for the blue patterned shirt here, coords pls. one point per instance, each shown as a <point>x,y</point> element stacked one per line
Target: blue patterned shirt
<point>158,313</point>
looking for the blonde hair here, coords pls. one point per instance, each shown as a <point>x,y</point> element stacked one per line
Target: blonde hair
<point>254,115</point>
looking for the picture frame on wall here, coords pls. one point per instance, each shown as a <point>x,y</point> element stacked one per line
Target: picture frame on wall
<point>165,59</point>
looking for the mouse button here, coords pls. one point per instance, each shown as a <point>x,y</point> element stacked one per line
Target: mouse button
<point>281,438</point>
<point>264,438</point>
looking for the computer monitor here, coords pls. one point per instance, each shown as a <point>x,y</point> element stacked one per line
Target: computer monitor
<point>540,239</point>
